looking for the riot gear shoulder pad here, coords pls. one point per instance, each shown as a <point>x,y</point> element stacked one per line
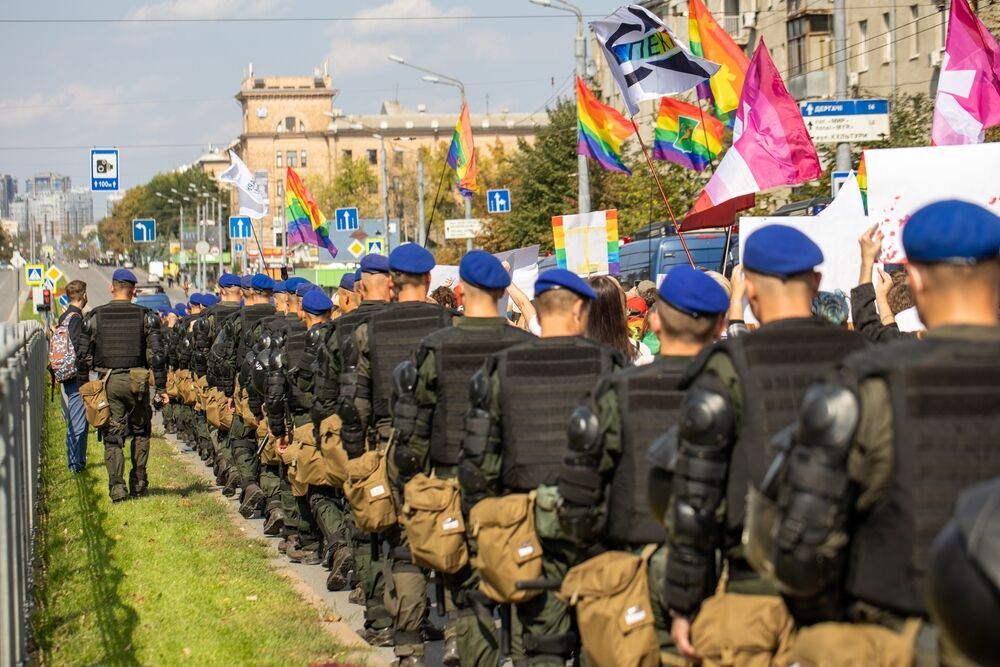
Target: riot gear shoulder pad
<point>580,484</point>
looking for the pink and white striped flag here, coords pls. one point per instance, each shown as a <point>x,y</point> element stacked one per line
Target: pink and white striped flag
<point>968,96</point>
<point>771,146</point>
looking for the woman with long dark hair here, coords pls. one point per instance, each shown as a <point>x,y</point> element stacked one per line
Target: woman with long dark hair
<point>607,320</point>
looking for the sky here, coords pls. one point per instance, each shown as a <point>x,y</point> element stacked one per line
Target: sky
<point>163,91</point>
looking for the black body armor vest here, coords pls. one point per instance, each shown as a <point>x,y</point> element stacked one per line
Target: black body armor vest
<point>393,333</point>
<point>776,365</point>
<point>248,319</point>
<point>121,338</point>
<point>945,396</point>
<point>458,353</point>
<point>543,381</point>
<point>649,399</point>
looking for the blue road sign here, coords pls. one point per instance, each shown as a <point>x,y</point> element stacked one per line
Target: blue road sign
<point>64,301</point>
<point>347,219</point>
<point>104,169</point>
<point>844,108</point>
<point>374,247</point>
<point>498,201</point>
<point>33,274</point>
<point>240,227</point>
<point>837,180</point>
<point>237,247</point>
<point>143,230</point>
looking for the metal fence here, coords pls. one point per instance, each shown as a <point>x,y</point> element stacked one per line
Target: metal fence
<point>22,407</point>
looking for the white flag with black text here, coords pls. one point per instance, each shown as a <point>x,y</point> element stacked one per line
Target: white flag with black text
<point>253,202</point>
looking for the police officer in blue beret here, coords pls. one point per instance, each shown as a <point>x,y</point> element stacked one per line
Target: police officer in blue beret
<point>432,395</point>
<point>124,342</point>
<point>347,297</point>
<point>738,396</point>
<point>604,478</point>
<point>381,342</point>
<point>515,441</point>
<point>879,456</point>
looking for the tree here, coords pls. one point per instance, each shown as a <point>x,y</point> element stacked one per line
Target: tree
<point>354,184</point>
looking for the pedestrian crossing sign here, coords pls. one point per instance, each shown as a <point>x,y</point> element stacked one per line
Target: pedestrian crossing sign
<point>375,247</point>
<point>33,274</point>
<point>356,248</point>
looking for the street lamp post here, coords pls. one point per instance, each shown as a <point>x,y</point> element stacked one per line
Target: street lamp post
<point>445,80</point>
<point>583,175</point>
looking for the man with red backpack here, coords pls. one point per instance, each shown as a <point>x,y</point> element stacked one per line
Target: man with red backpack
<point>66,349</point>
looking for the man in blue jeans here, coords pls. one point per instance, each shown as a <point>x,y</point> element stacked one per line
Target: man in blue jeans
<point>72,403</point>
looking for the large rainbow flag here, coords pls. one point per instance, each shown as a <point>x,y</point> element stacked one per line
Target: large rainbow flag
<point>709,40</point>
<point>462,154</point>
<point>686,136</point>
<point>306,223</point>
<point>601,130</point>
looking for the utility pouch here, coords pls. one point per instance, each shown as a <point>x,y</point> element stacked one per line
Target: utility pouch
<point>435,530</point>
<point>613,609</point>
<point>848,644</point>
<point>331,447</point>
<point>309,464</point>
<point>95,401</point>
<point>368,490</point>
<point>508,549</point>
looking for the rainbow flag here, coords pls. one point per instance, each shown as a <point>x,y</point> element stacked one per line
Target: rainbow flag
<point>862,177</point>
<point>306,223</point>
<point>710,41</point>
<point>462,154</point>
<point>683,138</point>
<point>601,130</point>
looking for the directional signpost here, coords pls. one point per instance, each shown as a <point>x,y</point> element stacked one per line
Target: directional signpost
<point>460,228</point>
<point>347,219</point>
<point>143,230</point>
<point>240,227</point>
<point>838,121</point>
<point>34,274</point>
<point>104,170</point>
<point>498,201</point>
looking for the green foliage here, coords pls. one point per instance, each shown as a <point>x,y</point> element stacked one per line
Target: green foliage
<point>354,184</point>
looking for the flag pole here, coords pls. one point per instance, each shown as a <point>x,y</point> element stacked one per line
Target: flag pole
<point>704,129</point>
<point>711,162</point>
<point>427,230</point>
<point>663,194</point>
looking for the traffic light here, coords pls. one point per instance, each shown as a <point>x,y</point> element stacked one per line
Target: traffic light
<point>46,303</point>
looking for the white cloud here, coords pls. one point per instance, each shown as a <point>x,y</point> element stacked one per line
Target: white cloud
<point>76,99</point>
<point>205,9</point>
<point>405,9</point>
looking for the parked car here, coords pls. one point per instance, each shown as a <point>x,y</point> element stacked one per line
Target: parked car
<point>148,289</point>
<point>128,264</point>
<point>154,301</point>
<point>83,264</point>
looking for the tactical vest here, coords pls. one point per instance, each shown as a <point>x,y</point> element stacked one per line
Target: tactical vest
<point>649,399</point>
<point>542,382</point>
<point>327,378</point>
<point>394,333</point>
<point>248,319</point>
<point>458,353</point>
<point>945,396</point>
<point>776,364</point>
<point>121,337</point>
<point>184,344</point>
<point>300,350</point>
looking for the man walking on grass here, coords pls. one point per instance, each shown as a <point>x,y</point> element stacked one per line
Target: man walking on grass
<point>72,404</point>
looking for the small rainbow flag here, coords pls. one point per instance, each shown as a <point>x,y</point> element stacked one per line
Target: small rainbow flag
<point>306,223</point>
<point>862,177</point>
<point>462,154</point>
<point>683,138</point>
<point>601,130</point>
<point>710,41</point>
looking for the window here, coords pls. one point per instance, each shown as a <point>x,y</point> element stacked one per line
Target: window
<point>914,37</point>
<point>862,42</point>
<point>887,31</point>
<point>397,158</point>
<point>347,154</point>
<point>797,47</point>
<point>802,34</point>
<point>290,124</point>
<point>302,158</point>
<point>372,156</point>
<point>277,233</point>
<point>292,159</point>
<point>277,160</point>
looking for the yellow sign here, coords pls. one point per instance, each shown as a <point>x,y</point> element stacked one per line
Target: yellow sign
<point>34,274</point>
<point>54,274</point>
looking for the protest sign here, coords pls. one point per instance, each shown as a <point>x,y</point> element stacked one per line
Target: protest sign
<point>587,243</point>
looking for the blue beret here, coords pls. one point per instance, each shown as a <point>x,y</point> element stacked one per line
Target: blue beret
<point>196,299</point>
<point>693,292</point>
<point>481,269</point>
<point>180,309</point>
<point>373,263</point>
<point>262,281</point>
<point>411,258</point>
<point>210,299</point>
<point>229,280</point>
<point>246,281</point>
<point>781,251</point>
<point>951,231</point>
<point>163,310</point>
<point>292,283</point>
<point>124,275</point>
<point>304,287</point>
<point>316,302</point>
<point>347,281</point>
<point>563,279</point>
<point>279,286</point>
<point>357,275</point>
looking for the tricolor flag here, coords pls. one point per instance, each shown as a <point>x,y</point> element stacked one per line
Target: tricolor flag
<point>462,154</point>
<point>600,130</point>
<point>771,146</point>
<point>645,58</point>
<point>306,223</point>
<point>968,95</point>
<point>685,135</point>
<point>708,39</point>
<point>252,201</point>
